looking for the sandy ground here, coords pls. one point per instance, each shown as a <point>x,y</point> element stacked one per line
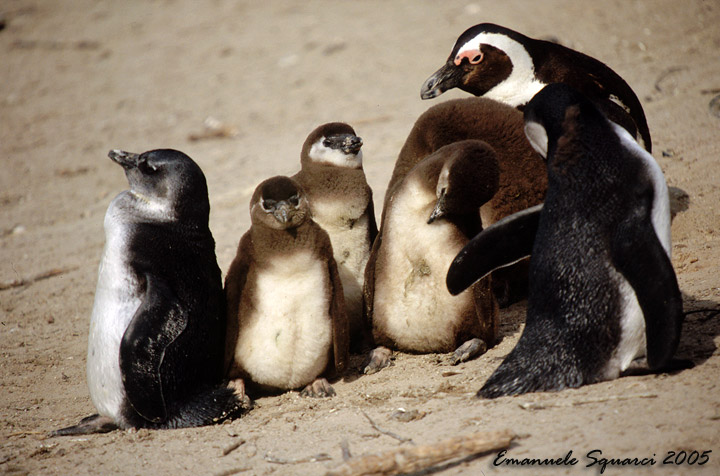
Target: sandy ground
<point>79,78</point>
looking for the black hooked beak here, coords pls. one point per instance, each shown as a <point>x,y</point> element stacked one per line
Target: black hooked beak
<point>447,77</point>
<point>126,159</point>
<point>439,210</point>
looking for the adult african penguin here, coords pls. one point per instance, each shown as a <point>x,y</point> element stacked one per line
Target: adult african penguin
<point>155,352</point>
<point>340,198</point>
<point>498,63</point>
<point>522,178</point>
<point>432,216</point>
<point>287,326</point>
<point>602,288</point>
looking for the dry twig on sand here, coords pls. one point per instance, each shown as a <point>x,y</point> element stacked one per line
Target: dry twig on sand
<point>407,460</point>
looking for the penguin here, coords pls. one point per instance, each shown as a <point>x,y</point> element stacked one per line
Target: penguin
<point>434,213</point>
<point>286,321</point>
<point>499,63</point>
<point>522,179</point>
<point>602,287</point>
<point>341,202</point>
<point>155,351</point>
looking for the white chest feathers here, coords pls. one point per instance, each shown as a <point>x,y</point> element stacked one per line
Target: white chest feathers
<point>117,298</point>
<point>285,341</point>
<point>347,225</point>
<point>412,305</point>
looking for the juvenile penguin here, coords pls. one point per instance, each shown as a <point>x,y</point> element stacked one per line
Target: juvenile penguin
<point>285,310</point>
<point>432,216</point>
<point>602,288</point>
<point>155,353</point>
<point>498,63</point>
<point>522,177</point>
<point>334,182</point>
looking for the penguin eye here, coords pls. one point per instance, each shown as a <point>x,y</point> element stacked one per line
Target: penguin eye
<point>268,204</point>
<point>294,200</point>
<point>147,168</point>
<point>327,142</point>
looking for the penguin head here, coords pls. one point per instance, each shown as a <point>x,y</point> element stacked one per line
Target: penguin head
<point>279,203</point>
<point>333,144</point>
<point>485,57</point>
<point>469,177</point>
<point>545,115</point>
<point>166,183</point>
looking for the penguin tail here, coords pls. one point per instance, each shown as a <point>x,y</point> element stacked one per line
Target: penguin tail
<point>210,407</point>
<point>523,372</point>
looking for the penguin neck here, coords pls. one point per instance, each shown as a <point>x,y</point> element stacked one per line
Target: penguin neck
<point>522,83</point>
<point>274,241</point>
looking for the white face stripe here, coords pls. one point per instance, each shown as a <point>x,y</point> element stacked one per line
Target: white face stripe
<point>320,153</point>
<point>522,84</point>
<point>537,136</point>
<point>661,204</point>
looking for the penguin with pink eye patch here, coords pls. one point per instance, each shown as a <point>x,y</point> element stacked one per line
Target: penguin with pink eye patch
<point>501,64</point>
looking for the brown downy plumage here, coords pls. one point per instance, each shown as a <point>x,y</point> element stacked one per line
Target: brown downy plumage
<point>286,315</point>
<point>433,214</point>
<point>341,203</point>
<point>522,180</point>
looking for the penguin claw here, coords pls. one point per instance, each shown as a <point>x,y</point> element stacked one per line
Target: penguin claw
<point>378,359</point>
<point>238,387</point>
<point>320,388</point>
<point>469,350</point>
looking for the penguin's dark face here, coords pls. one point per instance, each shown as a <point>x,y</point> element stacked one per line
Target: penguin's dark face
<point>468,178</point>
<point>165,182</point>
<point>279,203</point>
<point>333,144</point>
<point>487,60</point>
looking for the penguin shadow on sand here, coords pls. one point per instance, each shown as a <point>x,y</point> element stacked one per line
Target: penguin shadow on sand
<point>287,327</point>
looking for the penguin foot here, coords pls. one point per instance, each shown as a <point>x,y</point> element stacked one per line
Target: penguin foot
<point>88,425</point>
<point>238,387</point>
<point>468,351</point>
<point>320,388</point>
<point>377,359</point>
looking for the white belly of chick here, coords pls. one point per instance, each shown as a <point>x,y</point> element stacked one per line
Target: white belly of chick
<point>348,231</point>
<point>117,298</point>
<point>412,305</point>
<point>286,343</point>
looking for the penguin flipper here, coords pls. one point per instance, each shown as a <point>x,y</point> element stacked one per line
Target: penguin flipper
<point>639,256</point>
<point>235,281</point>
<point>156,324</point>
<point>501,244</point>
<point>369,288</point>
<point>340,323</point>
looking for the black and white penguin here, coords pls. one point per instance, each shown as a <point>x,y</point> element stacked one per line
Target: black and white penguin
<point>155,353</point>
<point>433,214</point>
<point>522,180</point>
<point>602,287</point>
<point>287,326</point>
<point>498,63</point>
<point>341,202</point>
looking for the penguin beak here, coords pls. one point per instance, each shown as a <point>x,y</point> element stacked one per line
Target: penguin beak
<point>351,144</point>
<point>439,210</point>
<point>283,212</point>
<point>447,77</point>
<point>127,160</point>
